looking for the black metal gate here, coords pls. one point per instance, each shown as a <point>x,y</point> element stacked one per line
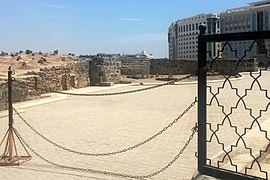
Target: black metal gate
<point>234,108</point>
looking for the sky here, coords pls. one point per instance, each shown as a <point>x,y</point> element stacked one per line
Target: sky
<point>97,26</point>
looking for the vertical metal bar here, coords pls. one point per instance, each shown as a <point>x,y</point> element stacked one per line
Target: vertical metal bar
<point>10,109</point>
<point>202,45</point>
<point>10,114</point>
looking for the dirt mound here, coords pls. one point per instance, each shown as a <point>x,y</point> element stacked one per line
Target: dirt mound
<point>23,63</point>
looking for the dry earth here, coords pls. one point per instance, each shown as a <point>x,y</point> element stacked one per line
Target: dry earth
<point>23,63</point>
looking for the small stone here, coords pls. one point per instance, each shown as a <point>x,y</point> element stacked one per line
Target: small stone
<point>40,61</point>
<point>55,52</point>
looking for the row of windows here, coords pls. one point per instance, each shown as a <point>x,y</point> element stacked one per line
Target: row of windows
<point>238,18</point>
<point>237,28</point>
<point>190,27</point>
<point>186,34</point>
<point>185,39</point>
<point>189,56</point>
<point>188,47</point>
<point>187,52</point>
<point>194,18</point>
<point>187,43</point>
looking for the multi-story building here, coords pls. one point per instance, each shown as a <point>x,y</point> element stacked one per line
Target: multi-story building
<point>183,36</point>
<point>254,17</point>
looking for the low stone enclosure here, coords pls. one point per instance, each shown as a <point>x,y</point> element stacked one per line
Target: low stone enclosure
<point>33,84</point>
<point>104,69</point>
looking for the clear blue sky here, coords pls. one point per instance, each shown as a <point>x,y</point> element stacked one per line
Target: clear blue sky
<point>96,26</point>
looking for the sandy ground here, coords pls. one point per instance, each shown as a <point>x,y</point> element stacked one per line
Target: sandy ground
<point>23,63</point>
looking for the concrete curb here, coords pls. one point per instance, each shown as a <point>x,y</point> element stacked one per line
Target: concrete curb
<point>185,83</point>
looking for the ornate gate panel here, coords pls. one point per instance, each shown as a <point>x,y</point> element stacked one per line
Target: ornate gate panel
<point>234,105</point>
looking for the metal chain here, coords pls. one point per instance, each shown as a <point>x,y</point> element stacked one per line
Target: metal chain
<point>109,94</point>
<point>110,153</point>
<point>108,173</point>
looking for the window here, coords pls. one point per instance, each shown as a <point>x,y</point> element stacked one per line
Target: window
<point>197,26</point>
<point>190,27</point>
<point>193,27</point>
<point>266,20</point>
<point>186,27</point>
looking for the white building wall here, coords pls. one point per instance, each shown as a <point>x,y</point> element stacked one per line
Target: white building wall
<point>245,19</point>
<point>183,35</point>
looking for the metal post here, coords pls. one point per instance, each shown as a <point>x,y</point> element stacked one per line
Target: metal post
<point>10,109</point>
<point>202,47</point>
<point>10,115</point>
<point>10,156</point>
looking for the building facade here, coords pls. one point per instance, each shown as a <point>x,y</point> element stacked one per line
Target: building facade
<point>183,36</point>
<point>254,17</point>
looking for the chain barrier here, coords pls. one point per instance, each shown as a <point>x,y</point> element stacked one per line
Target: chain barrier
<point>106,94</point>
<point>108,173</point>
<point>110,153</point>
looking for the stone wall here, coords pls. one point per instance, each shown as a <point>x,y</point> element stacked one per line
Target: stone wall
<point>169,66</point>
<point>3,96</point>
<point>135,66</point>
<point>67,76</point>
<point>57,78</point>
<point>101,69</point>
<point>105,68</point>
<point>18,94</point>
<point>228,66</point>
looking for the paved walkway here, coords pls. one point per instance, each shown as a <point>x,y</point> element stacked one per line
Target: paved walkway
<point>105,124</point>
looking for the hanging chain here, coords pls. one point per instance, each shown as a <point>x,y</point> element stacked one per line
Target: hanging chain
<point>107,94</point>
<point>194,130</point>
<point>108,173</point>
<point>110,153</point>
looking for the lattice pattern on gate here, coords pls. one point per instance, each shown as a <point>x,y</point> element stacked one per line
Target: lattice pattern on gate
<point>234,125</point>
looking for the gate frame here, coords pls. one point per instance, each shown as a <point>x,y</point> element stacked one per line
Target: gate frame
<point>203,39</point>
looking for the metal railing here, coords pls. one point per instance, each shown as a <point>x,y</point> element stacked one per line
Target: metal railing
<point>226,115</point>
